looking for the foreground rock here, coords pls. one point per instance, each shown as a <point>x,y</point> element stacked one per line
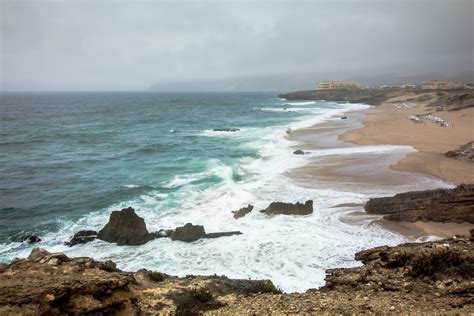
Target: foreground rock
<point>190,233</point>
<point>243,211</point>
<point>53,284</point>
<point>82,237</point>
<point>226,129</point>
<point>277,208</point>
<point>440,205</point>
<point>298,152</point>
<point>464,153</point>
<point>415,278</point>
<point>125,227</point>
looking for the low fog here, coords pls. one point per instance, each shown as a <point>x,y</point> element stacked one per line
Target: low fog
<point>231,46</point>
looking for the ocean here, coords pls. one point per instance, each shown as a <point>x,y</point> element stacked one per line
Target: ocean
<point>68,159</point>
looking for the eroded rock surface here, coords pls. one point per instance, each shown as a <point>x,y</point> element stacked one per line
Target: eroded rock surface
<point>298,208</point>
<point>440,205</point>
<point>53,284</point>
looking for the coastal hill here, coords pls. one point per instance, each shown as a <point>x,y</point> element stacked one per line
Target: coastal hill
<point>454,99</point>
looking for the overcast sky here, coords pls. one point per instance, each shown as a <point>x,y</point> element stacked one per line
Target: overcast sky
<point>229,45</point>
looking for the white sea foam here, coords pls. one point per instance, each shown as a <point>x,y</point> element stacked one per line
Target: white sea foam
<point>301,103</point>
<point>293,252</point>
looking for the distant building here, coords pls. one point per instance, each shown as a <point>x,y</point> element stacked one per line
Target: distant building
<point>326,85</point>
<point>441,84</point>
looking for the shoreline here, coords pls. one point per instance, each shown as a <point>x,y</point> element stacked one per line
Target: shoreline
<point>356,171</point>
<point>387,125</point>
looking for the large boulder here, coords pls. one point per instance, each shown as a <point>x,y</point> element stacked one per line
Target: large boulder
<point>82,237</point>
<point>440,205</point>
<point>243,211</point>
<point>188,233</point>
<point>298,152</point>
<point>125,228</point>
<point>298,208</point>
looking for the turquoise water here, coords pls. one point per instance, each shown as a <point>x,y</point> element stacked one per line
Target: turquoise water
<point>68,159</point>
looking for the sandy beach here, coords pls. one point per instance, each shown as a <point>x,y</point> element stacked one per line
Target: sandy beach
<point>421,166</point>
<point>388,125</point>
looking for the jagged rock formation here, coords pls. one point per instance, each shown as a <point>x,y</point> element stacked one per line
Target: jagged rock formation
<point>440,205</point>
<point>53,284</point>
<point>298,152</point>
<point>125,227</point>
<point>464,153</point>
<point>298,208</point>
<point>243,211</point>
<point>82,237</point>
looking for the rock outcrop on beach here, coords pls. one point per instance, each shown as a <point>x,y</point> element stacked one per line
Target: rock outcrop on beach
<point>440,205</point>
<point>242,211</point>
<point>82,237</point>
<point>298,152</point>
<point>431,277</point>
<point>277,208</point>
<point>464,153</point>
<point>125,227</point>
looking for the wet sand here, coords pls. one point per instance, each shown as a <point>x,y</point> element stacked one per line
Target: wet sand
<point>337,159</point>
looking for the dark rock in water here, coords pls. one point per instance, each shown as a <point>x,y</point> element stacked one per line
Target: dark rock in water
<point>226,129</point>
<point>243,211</point>
<point>440,205</point>
<point>343,117</point>
<point>188,233</point>
<point>222,234</point>
<point>162,233</point>
<point>464,153</point>
<point>125,228</point>
<point>298,152</point>
<point>298,208</point>
<point>82,237</point>
<point>30,239</point>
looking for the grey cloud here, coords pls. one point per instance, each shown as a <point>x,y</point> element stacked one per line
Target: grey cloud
<point>237,45</point>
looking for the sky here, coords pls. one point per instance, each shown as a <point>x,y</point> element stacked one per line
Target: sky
<point>231,45</point>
